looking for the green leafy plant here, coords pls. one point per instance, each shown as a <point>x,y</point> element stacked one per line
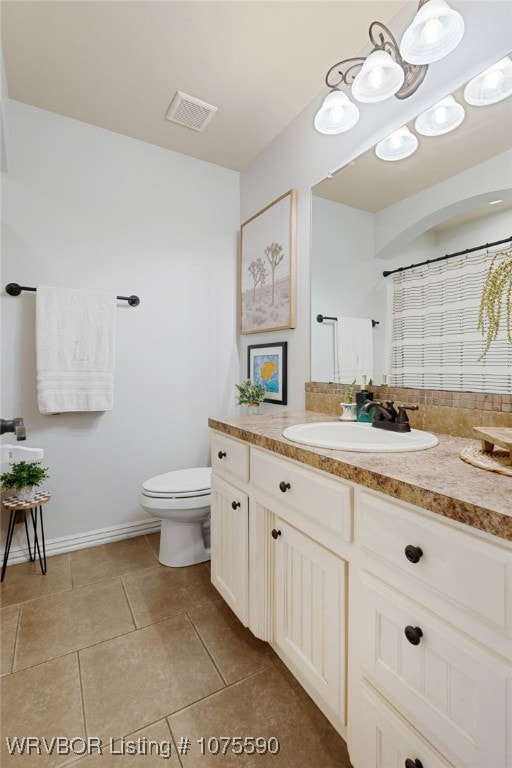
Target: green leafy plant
<point>23,473</point>
<point>349,392</point>
<point>250,393</point>
<point>496,294</point>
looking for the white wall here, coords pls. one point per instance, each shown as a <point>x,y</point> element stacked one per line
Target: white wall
<point>300,157</point>
<point>87,208</point>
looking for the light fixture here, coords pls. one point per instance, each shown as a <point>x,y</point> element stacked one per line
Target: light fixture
<point>390,69</point>
<point>380,77</point>
<point>491,86</point>
<point>399,145</point>
<point>337,114</point>
<point>434,33</point>
<point>442,118</point>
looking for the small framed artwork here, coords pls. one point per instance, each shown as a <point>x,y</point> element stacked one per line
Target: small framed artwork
<point>267,267</point>
<point>266,364</point>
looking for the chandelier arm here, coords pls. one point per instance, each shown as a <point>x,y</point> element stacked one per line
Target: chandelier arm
<point>383,39</point>
<point>344,72</point>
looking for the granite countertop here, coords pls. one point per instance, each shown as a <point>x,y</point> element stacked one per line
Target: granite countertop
<point>436,479</point>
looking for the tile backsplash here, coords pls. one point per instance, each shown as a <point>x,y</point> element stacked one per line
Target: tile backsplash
<point>449,413</point>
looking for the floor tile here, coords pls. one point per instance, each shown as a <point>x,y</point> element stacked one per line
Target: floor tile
<point>139,678</point>
<point>43,701</point>
<point>59,624</point>
<point>234,649</point>
<point>148,748</point>
<point>160,593</point>
<point>263,705</point>
<point>8,627</point>
<point>154,541</point>
<point>25,581</point>
<point>109,560</point>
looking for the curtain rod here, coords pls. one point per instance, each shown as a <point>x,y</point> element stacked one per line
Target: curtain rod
<point>448,256</point>
<point>14,289</point>
<point>321,318</point>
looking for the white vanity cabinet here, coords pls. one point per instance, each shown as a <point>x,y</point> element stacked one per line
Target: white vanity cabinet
<point>432,639</point>
<point>396,621</point>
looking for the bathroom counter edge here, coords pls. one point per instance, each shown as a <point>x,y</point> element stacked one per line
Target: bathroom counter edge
<point>436,479</point>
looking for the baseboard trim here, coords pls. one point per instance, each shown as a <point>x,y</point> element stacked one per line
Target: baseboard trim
<point>64,544</point>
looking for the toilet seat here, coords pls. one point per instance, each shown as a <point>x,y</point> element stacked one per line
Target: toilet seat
<point>180,484</point>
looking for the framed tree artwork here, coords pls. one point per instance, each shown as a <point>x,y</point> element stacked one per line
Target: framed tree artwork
<point>267,365</point>
<point>267,267</point>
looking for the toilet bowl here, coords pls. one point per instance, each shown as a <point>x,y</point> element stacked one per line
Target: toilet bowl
<point>181,500</point>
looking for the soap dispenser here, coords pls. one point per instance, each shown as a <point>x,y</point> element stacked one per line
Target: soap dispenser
<point>362,397</point>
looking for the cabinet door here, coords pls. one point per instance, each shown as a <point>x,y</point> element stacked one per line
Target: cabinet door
<point>310,615</point>
<point>230,546</point>
<point>386,740</point>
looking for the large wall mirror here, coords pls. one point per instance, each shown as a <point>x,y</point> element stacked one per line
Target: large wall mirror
<point>373,215</point>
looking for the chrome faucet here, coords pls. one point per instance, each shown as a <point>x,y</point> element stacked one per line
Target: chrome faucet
<point>14,425</point>
<point>387,417</point>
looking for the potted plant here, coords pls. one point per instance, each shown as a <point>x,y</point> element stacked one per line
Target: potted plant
<point>23,478</point>
<point>349,406</point>
<point>250,393</point>
<point>496,300</point>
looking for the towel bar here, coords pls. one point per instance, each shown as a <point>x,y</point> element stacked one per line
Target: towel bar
<point>14,289</point>
<point>321,318</point>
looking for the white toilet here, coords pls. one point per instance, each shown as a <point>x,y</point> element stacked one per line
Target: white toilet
<point>181,499</point>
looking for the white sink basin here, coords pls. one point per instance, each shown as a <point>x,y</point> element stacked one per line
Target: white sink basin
<point>12,453</point>
<point>353,436</point>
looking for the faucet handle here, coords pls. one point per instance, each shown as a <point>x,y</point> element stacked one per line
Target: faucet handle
<point>402,417</point>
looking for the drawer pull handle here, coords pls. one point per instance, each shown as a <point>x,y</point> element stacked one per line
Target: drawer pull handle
<point>413,554</point>
<point>275,533</point>
<point>284,486</point>
<point>413,763</point>
<point>413,634</point>
<point>235,504</point>
<point>221,454</point>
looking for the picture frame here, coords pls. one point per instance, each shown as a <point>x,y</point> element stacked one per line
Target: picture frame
<point>267,267</point>
<point>267,364</point>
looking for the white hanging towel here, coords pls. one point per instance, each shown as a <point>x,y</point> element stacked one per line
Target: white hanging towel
<point>354,349</point>
<point>75,346</point>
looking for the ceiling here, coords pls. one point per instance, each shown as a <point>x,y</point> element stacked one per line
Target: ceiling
<point>117,65</point>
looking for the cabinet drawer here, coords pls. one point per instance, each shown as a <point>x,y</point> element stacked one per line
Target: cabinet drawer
<point>386,740</point>
<point>444,684</point>
<point>325,501</point>
<point>230,457</point>
<point>460,571</point>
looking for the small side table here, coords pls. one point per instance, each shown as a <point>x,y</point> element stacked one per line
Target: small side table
<point>19,511</point>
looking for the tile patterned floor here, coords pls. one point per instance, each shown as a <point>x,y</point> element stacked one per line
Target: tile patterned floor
<point>112,646</point>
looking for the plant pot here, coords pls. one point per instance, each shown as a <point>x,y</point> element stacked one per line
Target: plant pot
<point>349,412</point>
<point>251,409</point>
<point>27,493</point>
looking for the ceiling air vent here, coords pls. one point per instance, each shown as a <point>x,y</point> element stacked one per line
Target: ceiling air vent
<point>191,112</point>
